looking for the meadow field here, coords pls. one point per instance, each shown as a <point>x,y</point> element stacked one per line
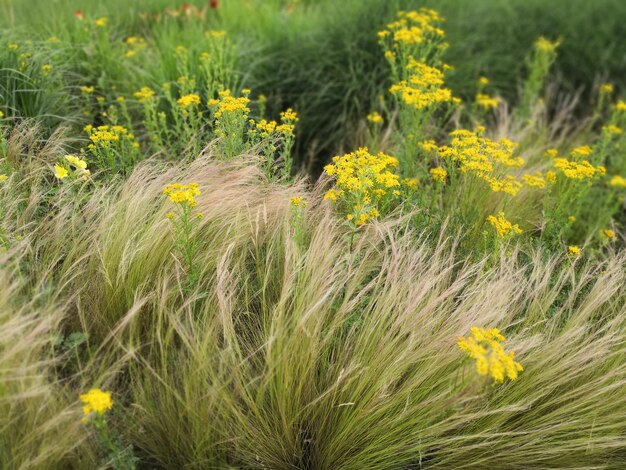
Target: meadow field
<point>312,234</point>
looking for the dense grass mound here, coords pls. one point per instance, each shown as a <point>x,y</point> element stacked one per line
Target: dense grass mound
<point>292,352</point>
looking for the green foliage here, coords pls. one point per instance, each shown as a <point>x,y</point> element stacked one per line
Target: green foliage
<point>248,318</point>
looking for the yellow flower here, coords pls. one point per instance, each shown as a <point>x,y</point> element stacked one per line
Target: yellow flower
<point>573,250</point>
<point>88,90</point>
<point>545,45</point>
<point>184,194</point>
<point>487,102</point>
<point>96,401</point>
<point>60,172</point>
<point>618,181</point>
<point>428,145</point>
<point>189,100</point>
<point>298,201</point>
<point>583,151</point>
<point>413,27</point>
<point>390,56</point>
<point>102,22</point>
<point>216,34</point>
<point>77,162</point>
<point>611,129</point>
<point>552,153</point>
<point>620,106</point>
<point>375,118</point>
<point>482,157</point>
<point>483,81</point>
<point>608,234</point>
<point>46,68</point>
<point>144,94</point>
<point>13,46</point>
<point>410,182</point>
<point>229,104</point>
<point>424,87</point>
<point>508,185</point>
<point>534,181</point>
<point>491,359</point>
<point>606,88</point>
<point>571,219</point>
<point>362,181</point>
<point>503,226</point>
<point>438,174</point>
<point>331,195</point>
<point>289,116</point>
<point>3,178</point>
<point>575,170</point>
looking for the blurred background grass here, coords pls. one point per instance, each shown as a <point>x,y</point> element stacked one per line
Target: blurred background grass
<point>322,56</point>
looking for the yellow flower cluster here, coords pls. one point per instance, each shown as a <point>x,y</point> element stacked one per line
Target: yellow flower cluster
<point>375,118</point>
<point>573,251</point>
<point>478,155</point>
<point>189,100</point>
<point>534,181</point>
<point>545,45</point>
<point>229,104</point>
<point>487,102</point>
<point>265,128</point>
<point>578,170</point>
<point>503,226</point>
<point>618,182</point>
<point>606,88</point>
<point>96,401</point>
<point>608,234</point>
<point>77,162</point>
<point>144,94</point>
<point>438,174</point>
<point>289,118</point>
<point>62,171</point>
<point>134,44</point>
<point>215,34</point>
<point>184,194</point>
<point>582,151</point>
<point>298,201</point>
<point>509,184</point>
<point>414,27</point>
<point>362,182</point>
<point>484,346</point>
<point>611,129</point>
<point>424,87</point>
<point>103,136</point>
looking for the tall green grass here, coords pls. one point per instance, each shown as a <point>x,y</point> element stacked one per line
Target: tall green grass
<point>322,56</point>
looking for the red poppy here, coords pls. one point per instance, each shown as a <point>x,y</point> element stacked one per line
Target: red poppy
<point>79,15</point>
<point>213,3</point>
